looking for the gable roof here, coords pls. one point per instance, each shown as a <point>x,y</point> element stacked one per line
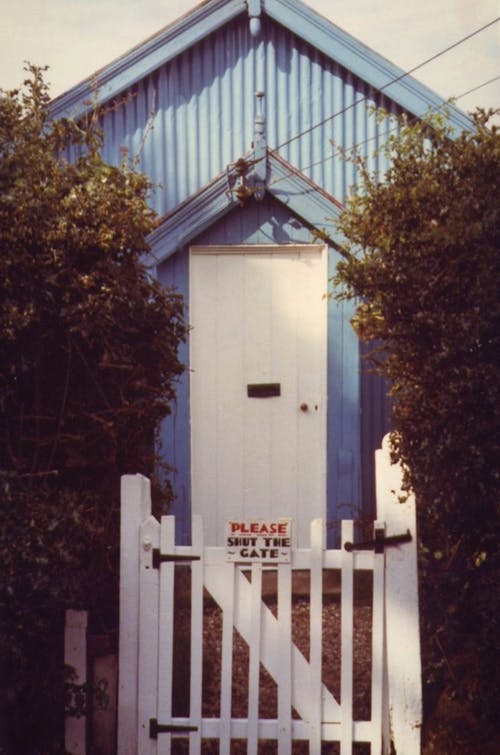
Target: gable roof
<point>299,19</point>
<point>286,184</point>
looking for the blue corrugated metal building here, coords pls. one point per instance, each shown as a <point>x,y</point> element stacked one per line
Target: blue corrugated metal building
<point>240,113</point>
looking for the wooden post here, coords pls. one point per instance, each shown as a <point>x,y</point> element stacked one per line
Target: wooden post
<point>135,507</point>
<point>75,656</point>
<point>105,671</point>
<point>404,677</point>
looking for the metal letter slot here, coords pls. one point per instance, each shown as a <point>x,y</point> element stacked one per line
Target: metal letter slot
<point>263,390</point>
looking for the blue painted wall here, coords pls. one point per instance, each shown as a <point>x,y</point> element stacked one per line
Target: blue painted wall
<point>183,105</point>
<point>195,114</point>
<point>263,223</point>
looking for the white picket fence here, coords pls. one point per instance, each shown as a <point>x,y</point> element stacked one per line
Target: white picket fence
<point>146,725</point>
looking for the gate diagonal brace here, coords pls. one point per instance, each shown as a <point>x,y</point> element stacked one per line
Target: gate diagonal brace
<point>379,543</point>
<point>161,558</point>
<point>155,728</point>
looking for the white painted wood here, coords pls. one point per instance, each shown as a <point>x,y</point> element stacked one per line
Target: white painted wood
<point>75,656</point>
<point>135,508</point>
<point>166,628</point>
<point>270,641</point>
<point>196,686</point>
<point>397,509</point>
<point>285,659</point>
<point>378,645</point>
<point>258,317</point>
<point>254,660</point>
<point>346,629</point>
<point>332,559</point>
<point>268,729</point>
<point>227,606</point>
<point>315,632</point>
<point>149,582</point>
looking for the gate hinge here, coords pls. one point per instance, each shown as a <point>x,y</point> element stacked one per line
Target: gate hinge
<point>161,558</point>
<point>379,542</point>
<point>155,728</point>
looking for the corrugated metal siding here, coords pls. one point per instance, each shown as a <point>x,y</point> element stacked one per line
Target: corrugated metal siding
<point>262,223</point>
<point>304,89</point>
<point>199,111</point>
<point>375,423</point>
<point>194,116</point>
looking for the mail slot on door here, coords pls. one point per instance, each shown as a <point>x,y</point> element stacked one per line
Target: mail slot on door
<point>263,390</point>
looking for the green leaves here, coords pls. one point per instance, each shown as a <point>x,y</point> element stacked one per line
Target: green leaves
<point>73,290</point>
<point>427,279</point>
<point>88,365</point>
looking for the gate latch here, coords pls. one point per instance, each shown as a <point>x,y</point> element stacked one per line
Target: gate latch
<point>155,728</point>
<point>379,542</point>
<point>161,558</point>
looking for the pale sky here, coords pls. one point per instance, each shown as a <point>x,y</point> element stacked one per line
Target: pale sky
<point>77,37</point>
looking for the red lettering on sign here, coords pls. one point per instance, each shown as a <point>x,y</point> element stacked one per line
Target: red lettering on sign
<point>259,528</point>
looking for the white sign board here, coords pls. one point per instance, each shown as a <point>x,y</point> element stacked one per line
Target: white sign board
<point>259,541</point>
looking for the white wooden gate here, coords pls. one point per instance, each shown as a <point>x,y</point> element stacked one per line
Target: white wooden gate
<point>307,711</point>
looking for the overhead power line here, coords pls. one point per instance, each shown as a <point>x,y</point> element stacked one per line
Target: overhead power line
<point>373,138</point>
<point>479,86</point>
<point>389,83</point>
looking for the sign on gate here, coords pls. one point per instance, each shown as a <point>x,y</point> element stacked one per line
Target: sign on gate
<point>259,541</point>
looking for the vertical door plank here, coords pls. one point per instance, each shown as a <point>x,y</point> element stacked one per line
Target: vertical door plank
<point>283,412</point>
<point>257,351</point>
<point>230,391</point>
<point>312,391</point>
<point>203,390</point>
<point>346,624</point>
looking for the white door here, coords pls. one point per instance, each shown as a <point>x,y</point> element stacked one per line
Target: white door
<point>258,385</point>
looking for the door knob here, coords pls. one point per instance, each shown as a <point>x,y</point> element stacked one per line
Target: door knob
<point>304,407</point>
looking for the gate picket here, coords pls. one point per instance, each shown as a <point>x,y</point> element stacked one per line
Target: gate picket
<point>148,635</point>
<point>195,697</point>
<point>346,635</point>
<point>254,663</point>
<point>284,680</point>
<point>227,606</point>
<point>315,632</point>
<point>166,645</point>
<point>378,634</point>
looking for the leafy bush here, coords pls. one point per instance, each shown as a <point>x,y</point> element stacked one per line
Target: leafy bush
<point>88,365</point>
<point>423,257</point>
